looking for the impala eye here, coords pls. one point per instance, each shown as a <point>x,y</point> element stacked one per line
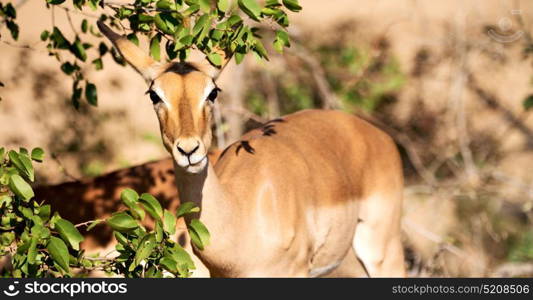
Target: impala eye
<point>154,97</point>
<point>213,95</point>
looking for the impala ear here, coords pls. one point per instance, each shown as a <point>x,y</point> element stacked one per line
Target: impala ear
<point>139,60</point>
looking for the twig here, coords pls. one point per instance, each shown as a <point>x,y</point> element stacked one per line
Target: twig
<point>99,258</point>
<point>433,237</point>
<point>513,270</point>
<point>329,99</point>
<point>29,47</point>
<point>271,95</point>
<point>245,113</point>
<point>405,141</point>
<point>78,12</point>
<point>63,169</point>
<point>86,223</point>
<point>70,22</point>
<point>219,131</point>
<point>456,97</point>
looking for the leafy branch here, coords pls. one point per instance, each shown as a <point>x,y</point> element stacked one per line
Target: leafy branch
<point>42,244</point>
<point>175,27</point>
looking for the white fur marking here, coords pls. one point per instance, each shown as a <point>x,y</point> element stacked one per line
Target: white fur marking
<point>161,95</point>
<point>207,90</point>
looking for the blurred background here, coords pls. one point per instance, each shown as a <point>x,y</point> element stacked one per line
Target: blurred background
<point>451,81</point>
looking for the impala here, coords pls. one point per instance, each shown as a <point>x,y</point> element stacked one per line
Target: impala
<point>289,199</point>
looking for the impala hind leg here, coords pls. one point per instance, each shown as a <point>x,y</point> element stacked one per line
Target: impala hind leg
<point>349,267</point>
<point>377,241</point>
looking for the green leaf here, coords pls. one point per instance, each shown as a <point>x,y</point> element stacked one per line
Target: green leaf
<point>7,238</point>
<point>44,212</point>
<point>146,246</point>
<point>20,187</point>
<point>76,96</point>
<point>69,233</point>
<point>152,205</point>
<point>239,57</point>
<point>205,5</point>
<point>40,232</point>
<point>121,238</point>
<point>145,18</point>
<point>124,12</point>
<point>26,212</point>
<point>217,35</point>
<point>91,94</point>
<point>215,59</point>
<point>59,252</point>
<point>22,163</point>
<point>169,224</point>
<point>5,200</point>
<point>78,50</point>
<point>122,222</point>
<point>153,272</point>
<point>84,25</point>
<point>155,50</point>
<point>186,208</point>
<point>37,154</point>
<point>93,4</point>
<point>55,2</point>
<point>283,36</point>
<point>44,35</point>
<point>169,264</point>
<point>223,5</point>
<point>10,11</point>
<point>159,231</point>
<point>133,38</point>
<point>528,103</point>
<point>165,4</point>
<point>181,256</point>
<point>272,3</point>
<point>251,8</point>
<point>68,68</point>
<point>32,250</point>
<point>191,10</point>
<point>292,5</point>
<point>13,29</point>
<point>58,39</point>
<point>129,198</point>
<point>281,41</point>
<point>177,260</point>
<point>98,64</point>
<point>199,233</point>
<point>234,20</point>
<point>260,49</point>
<point>160,23</point>
<point>185,41</point>
<point>200,24</point>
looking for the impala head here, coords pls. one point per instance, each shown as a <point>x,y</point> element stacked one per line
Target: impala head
<point>182,94</point>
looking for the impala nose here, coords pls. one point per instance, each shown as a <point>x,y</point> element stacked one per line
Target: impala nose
<point>188,146</point>
<point>190,153</point>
